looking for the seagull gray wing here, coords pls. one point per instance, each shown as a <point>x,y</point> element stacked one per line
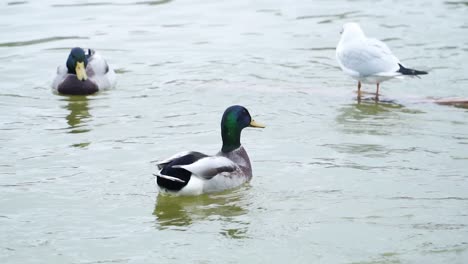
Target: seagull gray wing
<point>367,57</point>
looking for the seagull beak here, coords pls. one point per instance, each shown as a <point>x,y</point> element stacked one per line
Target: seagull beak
<point>80,71</point>
<point>255,124</point>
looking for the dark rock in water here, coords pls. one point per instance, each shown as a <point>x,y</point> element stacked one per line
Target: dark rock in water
<point>457,102</point>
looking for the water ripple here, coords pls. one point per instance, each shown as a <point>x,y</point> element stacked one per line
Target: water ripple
<point>160,2</point>
<point>17,3</point>
<point>340,15</point>
<point>38,41</point>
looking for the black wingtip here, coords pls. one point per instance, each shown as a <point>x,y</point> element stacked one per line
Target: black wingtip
<point>407,71</point>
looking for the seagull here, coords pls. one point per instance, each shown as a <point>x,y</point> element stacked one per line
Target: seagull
<point>368,60</point>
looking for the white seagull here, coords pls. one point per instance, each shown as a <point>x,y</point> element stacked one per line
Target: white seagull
<point>368,60</point>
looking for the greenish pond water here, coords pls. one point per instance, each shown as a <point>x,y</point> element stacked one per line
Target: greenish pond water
<point>335,181</point>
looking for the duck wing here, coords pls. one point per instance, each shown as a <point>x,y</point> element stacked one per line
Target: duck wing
<point>97,65</point>
<point>99,71</point>
<point>62,73</point>
<point>198,155</point>
<point>209,166</point>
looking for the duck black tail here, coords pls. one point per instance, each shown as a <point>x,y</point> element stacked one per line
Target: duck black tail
<point>406,71</point>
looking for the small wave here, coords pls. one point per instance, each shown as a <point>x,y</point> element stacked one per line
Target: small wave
<point>37,41</point>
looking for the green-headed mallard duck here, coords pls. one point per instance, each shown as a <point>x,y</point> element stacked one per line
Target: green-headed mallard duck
<point>83,74</point>
<point>193,173</point>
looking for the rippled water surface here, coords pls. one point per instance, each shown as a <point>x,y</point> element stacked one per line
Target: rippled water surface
<point>335,181</point>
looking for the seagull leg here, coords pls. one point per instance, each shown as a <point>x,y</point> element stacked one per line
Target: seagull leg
<point>377,92</point>
<point>359,90</point>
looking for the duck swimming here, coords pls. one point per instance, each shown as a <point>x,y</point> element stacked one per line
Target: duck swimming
<point>83,74</point>
<point>194,173</point>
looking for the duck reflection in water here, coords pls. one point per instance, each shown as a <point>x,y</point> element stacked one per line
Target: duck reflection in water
<point>183,211</point>
<point>79,113</point>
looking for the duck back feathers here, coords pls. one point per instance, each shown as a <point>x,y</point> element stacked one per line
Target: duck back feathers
<point>172,169</point>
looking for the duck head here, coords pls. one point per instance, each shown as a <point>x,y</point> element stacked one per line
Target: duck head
<point>77,62</point>
<point>235,118</point>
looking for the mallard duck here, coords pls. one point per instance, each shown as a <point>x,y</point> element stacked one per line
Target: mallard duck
<point>83,74</point>
<point>368,60</point>
<point>194,173</point>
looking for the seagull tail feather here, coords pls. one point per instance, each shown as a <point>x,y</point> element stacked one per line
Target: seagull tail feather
<point>407,71</point>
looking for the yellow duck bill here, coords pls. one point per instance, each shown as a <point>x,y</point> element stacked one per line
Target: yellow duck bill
<point>81,71</point>
<point>253,123</point>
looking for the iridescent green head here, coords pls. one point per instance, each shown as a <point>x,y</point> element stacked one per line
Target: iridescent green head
<point>77,62</point>
<point>235,118</point>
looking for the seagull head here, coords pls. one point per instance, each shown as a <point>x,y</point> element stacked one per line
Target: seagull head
<point>351,30</point>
